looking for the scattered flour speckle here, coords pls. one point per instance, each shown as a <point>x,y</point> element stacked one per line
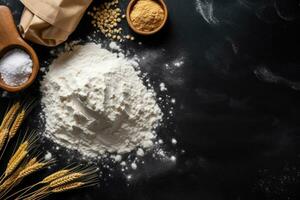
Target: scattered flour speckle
<point>162,87</point>
<point>174,141</point>
<point>48,156</point>
<point>140,152</point>
<point>133,166</point>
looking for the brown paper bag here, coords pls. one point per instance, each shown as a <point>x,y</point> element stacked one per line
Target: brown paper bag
<point>50,22</point>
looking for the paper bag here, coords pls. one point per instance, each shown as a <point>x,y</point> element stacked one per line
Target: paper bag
<point>50,22</point>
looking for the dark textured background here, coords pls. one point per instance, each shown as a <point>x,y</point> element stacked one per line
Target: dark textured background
<point>238,99</point>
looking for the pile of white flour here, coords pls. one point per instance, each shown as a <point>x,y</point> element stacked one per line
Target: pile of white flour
<point>95,102</point>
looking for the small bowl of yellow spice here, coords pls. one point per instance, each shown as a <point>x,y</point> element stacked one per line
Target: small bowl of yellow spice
<point>146,17</point>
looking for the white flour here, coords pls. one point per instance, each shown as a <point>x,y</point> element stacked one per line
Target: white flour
<point>95,102</point>
<point>15,67</point>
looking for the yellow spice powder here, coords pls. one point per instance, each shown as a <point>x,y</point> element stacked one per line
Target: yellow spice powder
<point>147,15</point>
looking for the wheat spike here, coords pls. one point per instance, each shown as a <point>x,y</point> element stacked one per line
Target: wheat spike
<point>6,184</point>
<point>17,123</point>
<point>31,169</point>
<point>3,137</point>
<point>10,181</point>
<point>22,148</point>
<point>15,163</point>
<point>65,179</point>
<point>31,162</point>
<point>68,187</point>
<point>55,176</point>
<point>10,115</point>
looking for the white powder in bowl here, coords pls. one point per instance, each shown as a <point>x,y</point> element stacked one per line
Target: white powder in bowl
<point>15,67</point>
<point>95,102</point>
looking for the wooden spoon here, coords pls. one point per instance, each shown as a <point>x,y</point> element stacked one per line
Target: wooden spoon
<point>11,39</point>
<point>129,9</point>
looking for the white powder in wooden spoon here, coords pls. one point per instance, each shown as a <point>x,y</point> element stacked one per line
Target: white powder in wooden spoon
<point>95,102</point>
<point>15,67</point>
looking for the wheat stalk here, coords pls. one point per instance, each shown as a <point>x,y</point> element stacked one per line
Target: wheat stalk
<point>3,137</point>
<point>10,115</point>
<point>10,181</point>
<point>31,162</point>
<point>13,165</point>
<point>45,192</point>
<point>17,123</point>
<point>55,176</point>
<point>68,187</point>
<point>17,158</point>
<point>55,183</point>
<point>19,167</point>
<point>66,179</point>
<point>7,183</point>
<point>23,147</point>
<point>32,166</point>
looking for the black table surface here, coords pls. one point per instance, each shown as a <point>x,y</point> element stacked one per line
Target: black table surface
<point>237,98</point>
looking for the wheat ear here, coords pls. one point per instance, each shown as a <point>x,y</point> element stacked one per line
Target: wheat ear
<point>67,187</point>
<point>59,189</point>
<point>55,176</point>
<point>30,168</point>
<point>17,123</point>
<point>23,147</point>
<point>17,158</point>
<point>10,115</point>
<point>10,181</point>
<point>65,179</point>
<point>13,165</point>
<point>31,162</point>
<point>59,182</point>
<point>3,137</point>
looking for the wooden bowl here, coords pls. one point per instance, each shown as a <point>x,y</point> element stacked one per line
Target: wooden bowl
<point>129,9</point>
<point>11,39</point>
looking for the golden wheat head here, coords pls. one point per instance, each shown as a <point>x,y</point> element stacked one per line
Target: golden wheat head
<point>55,176</point>
<point>66,179</point>
<point>17,123</point>
<point>67,187</point>
<point>3,137</point>
<point>8,118</point>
